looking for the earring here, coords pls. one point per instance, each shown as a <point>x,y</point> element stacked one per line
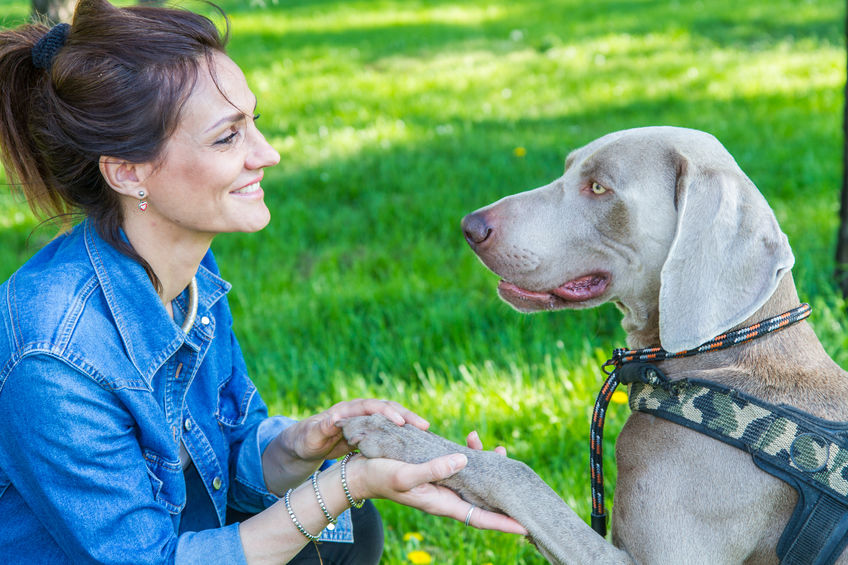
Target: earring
<point>143,204</point>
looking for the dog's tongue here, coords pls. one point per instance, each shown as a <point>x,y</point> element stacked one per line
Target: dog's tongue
<point>582,288</point>
<point>577,290</point>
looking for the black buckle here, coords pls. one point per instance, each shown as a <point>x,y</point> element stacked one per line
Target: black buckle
<point>630,373</point>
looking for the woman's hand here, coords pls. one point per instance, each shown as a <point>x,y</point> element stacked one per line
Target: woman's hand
<point>303,446</point>
<point>411,485</point>
<point>318,437</point>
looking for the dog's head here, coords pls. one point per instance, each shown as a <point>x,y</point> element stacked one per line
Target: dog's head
<point>660,220</point>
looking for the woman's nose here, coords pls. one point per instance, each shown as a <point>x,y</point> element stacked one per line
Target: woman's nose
<point>262,153</point>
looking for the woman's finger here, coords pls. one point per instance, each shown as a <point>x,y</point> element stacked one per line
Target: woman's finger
<point>365,407</point>
<point>412,476</point>
<point>327,424</point>
<point>395,412</point>
<point>485,520</point>
<point>442,501</point>
<point>473,441</point>
<point>410,417</point>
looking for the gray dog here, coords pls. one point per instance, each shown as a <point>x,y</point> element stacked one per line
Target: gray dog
<point>663,223</point>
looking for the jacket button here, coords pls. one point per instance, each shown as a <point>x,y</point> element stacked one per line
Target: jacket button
<point>187,425</point>
<point>204,320</point>
<point>216,483</point>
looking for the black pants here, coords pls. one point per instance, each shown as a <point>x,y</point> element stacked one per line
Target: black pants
<point>366,549</point>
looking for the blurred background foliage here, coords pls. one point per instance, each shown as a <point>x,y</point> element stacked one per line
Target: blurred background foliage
<point>395,118</point>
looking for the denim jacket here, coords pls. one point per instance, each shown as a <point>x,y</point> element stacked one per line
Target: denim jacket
<point>98,387</point>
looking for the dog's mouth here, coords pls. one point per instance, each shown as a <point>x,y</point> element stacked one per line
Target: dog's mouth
<point>569,294</point>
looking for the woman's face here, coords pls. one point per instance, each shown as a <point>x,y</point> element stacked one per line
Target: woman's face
<point>208,180</point>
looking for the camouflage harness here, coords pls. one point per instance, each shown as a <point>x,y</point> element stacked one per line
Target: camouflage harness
<point>808,453</point>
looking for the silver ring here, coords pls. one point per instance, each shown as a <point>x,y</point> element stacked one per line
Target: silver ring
<point>468,516</point>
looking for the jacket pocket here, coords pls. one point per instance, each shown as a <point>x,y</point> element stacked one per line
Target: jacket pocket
<point>234,396</point>
<point>167,482</point>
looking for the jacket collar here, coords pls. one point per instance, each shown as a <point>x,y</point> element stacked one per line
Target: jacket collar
<point>148,333</point>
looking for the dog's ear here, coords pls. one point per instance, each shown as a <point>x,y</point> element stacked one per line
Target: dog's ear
<point>726,259</point>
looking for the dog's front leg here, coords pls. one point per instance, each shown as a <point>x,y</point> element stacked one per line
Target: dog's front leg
<point>492,482</point>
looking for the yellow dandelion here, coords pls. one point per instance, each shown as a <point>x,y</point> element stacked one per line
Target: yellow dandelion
<point>619,397</point>
<point>419,557</point>
<point>413,536</point>
<point>519,152</point>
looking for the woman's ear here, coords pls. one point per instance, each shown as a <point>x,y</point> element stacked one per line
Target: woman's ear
<point>124,177</point>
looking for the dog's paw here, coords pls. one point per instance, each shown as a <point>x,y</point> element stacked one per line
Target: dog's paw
<point>374,436</point>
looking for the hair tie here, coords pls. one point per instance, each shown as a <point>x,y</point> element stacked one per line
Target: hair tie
<point>47,47</point>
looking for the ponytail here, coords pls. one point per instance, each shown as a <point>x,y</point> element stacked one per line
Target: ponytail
<point>21,88</point>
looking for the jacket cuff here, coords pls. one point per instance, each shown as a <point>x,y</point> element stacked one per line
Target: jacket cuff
<point>211,547</point>
<point>249,493</point>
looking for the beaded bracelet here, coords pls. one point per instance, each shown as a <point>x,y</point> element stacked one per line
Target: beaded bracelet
<point>294,519</point>
<point>353,503</point>
<point>332,521</point>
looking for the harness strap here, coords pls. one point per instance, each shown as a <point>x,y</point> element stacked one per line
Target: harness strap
<point>809,453</point>
<point>817,532</point>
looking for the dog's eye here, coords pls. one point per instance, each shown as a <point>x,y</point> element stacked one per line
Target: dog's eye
<point>598,189</point>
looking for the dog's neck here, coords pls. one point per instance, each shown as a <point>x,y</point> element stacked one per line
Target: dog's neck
<point>642,324</point>
<point>788,366</point>
<point>641,321</point>
<point>784,298</point>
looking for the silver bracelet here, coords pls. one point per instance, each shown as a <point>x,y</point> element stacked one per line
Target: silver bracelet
<point>332,521</point>
<point>353,503</point>
<point>294,519</point>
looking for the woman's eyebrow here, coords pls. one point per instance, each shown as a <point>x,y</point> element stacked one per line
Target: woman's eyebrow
<point>232,118</point>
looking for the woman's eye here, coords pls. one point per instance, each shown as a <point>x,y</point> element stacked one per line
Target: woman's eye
<point>228,139</point>
<point>598,189</point>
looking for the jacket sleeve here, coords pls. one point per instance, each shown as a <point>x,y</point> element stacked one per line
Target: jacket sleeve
<point>70,449</point>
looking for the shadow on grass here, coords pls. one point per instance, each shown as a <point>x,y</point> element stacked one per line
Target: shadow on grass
<point>542,24</point>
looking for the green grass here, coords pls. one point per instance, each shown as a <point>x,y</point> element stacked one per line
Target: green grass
<point>395,118</point>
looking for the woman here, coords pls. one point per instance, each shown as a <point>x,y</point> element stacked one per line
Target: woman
<point>129,425</point>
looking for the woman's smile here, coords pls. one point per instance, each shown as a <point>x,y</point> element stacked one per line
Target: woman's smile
<point>251,189</point>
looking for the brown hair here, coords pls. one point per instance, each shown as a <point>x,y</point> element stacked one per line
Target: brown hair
<point>116,88</point>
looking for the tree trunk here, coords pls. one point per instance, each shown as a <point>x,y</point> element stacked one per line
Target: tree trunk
<point>842,238</point>
<point>54,10</point>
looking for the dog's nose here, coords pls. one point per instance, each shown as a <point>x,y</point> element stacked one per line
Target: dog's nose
<point>476,229</point>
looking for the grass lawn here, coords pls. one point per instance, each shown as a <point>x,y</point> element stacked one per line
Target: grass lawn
<point>395,118</point>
